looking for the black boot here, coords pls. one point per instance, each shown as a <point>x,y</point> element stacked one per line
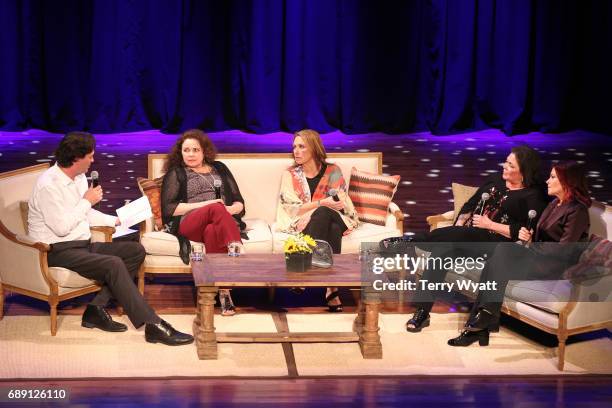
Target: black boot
<point>468,337</point>
<point>98,317</point>
<point>483,320</point>
<point>420,319</point>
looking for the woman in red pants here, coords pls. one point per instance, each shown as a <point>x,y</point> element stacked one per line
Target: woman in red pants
<point>201,201</point>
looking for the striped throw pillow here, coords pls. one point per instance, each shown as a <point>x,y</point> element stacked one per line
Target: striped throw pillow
<point>152,189</point>
<point>371,195</point>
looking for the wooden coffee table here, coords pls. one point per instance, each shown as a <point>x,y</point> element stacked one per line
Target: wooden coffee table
<point>268,270</point>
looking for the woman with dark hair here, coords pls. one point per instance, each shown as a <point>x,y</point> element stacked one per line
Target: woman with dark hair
<point>495,213</point>
<point>201,200</point>
<point>565,220</point>
<point>306,204</point>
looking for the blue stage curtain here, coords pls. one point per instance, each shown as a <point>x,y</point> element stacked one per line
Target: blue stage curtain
<point>268,65</point>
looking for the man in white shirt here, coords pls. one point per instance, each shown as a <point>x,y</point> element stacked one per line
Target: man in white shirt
<point>60,214</point>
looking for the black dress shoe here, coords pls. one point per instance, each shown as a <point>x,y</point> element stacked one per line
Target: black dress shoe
<point>162,332</point>
<point>468,337</point>
<point>482,321</point>
<point>98,317</point>
<point>420,320</point>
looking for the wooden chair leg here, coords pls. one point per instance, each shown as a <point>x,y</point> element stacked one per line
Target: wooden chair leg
<point>141,279</point>
<point>1,301</point>
<point>53,307</point>
<point>561,352</point>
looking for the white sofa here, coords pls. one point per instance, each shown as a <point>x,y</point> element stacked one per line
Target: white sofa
<point>258,177</point>
<point>558,312</point>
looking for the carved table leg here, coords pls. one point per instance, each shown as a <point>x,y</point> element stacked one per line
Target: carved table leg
<point>369,339</point>
<point>203,324</point>
<point>360,318</point>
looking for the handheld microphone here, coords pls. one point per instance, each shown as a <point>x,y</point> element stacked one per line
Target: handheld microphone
<point>95,182</point>
<point>217,185</point>
<point>530,216</point>
<point>333,193</point>
<point>95,179</point>
<point>483,199</point>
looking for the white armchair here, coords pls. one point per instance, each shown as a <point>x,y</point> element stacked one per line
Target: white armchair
<point>560,313</point>
<point>24,269</point>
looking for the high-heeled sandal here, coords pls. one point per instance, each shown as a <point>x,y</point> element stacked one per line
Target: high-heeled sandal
<point>333,308</point>
<point>420,319</point>
<point>227,304</point>
<point>467,338</point>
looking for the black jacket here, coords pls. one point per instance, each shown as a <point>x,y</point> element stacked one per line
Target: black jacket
<point>515,204</point>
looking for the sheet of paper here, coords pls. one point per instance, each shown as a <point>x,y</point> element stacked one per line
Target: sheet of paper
<point>120,231</point>
<point>134,212</point>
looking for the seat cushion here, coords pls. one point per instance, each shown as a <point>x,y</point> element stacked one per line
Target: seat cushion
<point>371,195</point>
<point>163,243</point>
<point>350,243</point>
<point>543,317</point>
<point>160,243</point>
<point>69,279</point>
<point>549,295</point>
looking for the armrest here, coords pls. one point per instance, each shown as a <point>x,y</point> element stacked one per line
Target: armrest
<point>399,216</point>
<point>23,240</point>
<point>28,241</point>
<point>102,233</point>
<point>27,268</point>
<point>434,220</point>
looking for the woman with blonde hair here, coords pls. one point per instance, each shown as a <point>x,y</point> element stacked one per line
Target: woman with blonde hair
<point>313,199</point>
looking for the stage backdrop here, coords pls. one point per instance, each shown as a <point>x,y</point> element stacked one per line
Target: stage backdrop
<point>268,65</point>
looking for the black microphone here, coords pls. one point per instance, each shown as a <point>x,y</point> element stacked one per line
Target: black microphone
<point>95,179</point>
<point>217,184</point>
<point>483,199</point>
<point>333,193</point>
<point>95,182</point>
<point>530,216</point>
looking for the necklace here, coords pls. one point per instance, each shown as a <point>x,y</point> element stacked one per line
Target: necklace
<point>211,185</point>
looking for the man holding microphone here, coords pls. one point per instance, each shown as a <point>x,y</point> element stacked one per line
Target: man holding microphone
<point>61,213</point>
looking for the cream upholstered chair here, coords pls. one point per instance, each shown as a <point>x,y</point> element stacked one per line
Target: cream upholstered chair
<point>24,266</point>
<point>259,175</point>
<point>561,309</point>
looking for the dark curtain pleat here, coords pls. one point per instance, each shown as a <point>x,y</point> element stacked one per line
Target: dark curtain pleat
<point>268,65</point>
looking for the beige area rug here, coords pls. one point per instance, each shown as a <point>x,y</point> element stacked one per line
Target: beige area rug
<point>27,350</point>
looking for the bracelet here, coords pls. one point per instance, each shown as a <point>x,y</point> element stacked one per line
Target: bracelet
<point>318,203</point>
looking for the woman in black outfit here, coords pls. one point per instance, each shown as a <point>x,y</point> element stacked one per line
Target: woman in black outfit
<point>565,220</point>
<point>511,196</point>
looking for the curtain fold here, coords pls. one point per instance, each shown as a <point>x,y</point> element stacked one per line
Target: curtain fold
<point>268,65</point>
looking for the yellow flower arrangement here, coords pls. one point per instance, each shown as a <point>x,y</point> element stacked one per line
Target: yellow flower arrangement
<point>299,243</point>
